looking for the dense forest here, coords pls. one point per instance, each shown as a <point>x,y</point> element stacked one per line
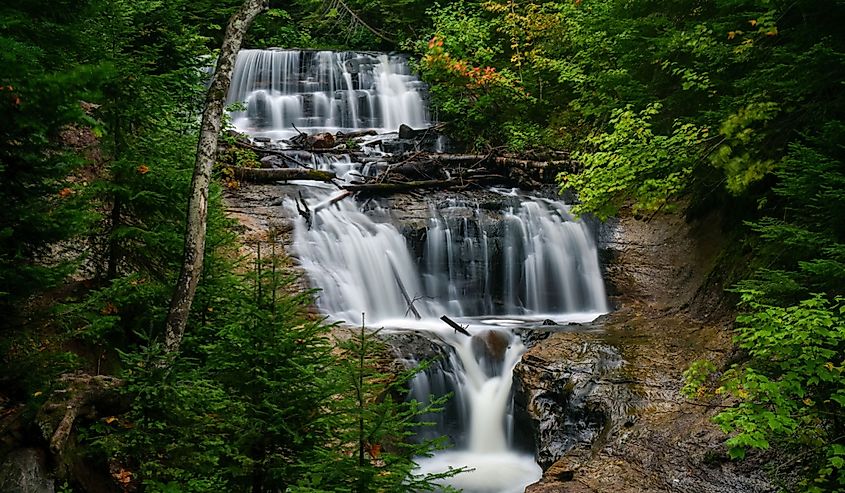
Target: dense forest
<point>678,106</point>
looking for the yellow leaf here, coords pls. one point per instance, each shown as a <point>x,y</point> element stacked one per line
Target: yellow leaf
<point>808,401</point>
<point>731,34</point>
<point>753,22</point>
<point>110,420</point>
<point>37,394</point>
<point>829,366</point>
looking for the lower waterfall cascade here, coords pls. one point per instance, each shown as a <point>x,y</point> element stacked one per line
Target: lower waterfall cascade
<point>494,271</point>
<point>518,267</point>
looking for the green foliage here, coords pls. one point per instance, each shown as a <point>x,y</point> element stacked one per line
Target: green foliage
<point>695,378</point>
<point>40,197</point>
<point>633,162</point>
<point>374,424</point>
<point>791,390</point>
<point>262,399</point>
<point>793,382</point>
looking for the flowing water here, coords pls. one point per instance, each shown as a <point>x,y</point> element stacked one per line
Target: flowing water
<point>492,270</point>
<point>324,91</point>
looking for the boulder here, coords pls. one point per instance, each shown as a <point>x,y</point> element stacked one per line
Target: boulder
<point>322,140</point>
<point>24,472</point>
<point>273,161</point>
<point>490,345</point>
<point>406,132</point>
<point>566,388</point>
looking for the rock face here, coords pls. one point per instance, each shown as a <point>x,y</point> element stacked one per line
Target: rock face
<point>606,405</point>
<point>603,399</point>
<point>24,472</point>
<point>572,398</point>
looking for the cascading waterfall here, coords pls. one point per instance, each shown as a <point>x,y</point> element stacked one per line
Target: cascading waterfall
<point>491,270</point>
<point>324,91</point>
<point>536,261</point>
<point>482,377</point>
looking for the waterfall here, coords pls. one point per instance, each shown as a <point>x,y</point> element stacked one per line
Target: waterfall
<point>324,91</point>
<point>480,371</point>
<point>491,270</point>
<point>535,261</point>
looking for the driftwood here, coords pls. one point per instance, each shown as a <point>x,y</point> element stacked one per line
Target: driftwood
<point>263,151</point>
<point>303,210</point>
<point>399,186</point>
<point>259,175</point>
<point>390,187</point>
<point>404,292</point>
<point>355,134</point>
<point>455,325</point>
<point>328,203</point>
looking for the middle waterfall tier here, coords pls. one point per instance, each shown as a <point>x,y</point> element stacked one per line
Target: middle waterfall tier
<point>285,90</point>
<point>529,259</point>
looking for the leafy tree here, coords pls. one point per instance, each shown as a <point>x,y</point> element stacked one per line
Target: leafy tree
<point>39,101</point>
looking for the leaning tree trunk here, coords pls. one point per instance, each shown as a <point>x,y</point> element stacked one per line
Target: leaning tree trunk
<point>186,286</point>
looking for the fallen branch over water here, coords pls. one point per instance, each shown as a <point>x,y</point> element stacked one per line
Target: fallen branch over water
<point>455,325</point>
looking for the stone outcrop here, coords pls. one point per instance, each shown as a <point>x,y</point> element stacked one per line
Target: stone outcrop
<point>24,471</point>
<point>606,405</point>
<point>572,398</point>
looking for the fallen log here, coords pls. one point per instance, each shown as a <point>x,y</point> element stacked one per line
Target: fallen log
<point>355,134</point>
<point>303,210</point>
<point>328,203</point>
<point>454,325</point>
<point>391,187</point>
<point>402,186</point>
<point>258,175</point>
<point>80,396</point>
<point>286,154</point>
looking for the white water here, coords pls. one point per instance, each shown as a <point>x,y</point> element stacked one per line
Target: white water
<point>541,264</point>
<point>324,91</point>
<point>493,271</point>
<point>485,389</point>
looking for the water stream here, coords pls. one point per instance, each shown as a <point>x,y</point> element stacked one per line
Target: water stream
<point>492,270</point>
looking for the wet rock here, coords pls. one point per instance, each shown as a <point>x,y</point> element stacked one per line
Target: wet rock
<point>398,146</point>
<point>273,161</point>
<point>490,345</point>
<point>406,132</point>
<point>263,140</point>
<point>565,386</point>
<point>414,346</point>
<point>323,140</point>
<point>549,322</point>
<point>24,472</point>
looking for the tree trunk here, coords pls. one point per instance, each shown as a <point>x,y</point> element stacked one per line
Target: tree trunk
<point>259,175</point>
<point>186,286</point>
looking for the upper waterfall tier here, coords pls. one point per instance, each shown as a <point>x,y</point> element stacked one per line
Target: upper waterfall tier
<point>324,91</point>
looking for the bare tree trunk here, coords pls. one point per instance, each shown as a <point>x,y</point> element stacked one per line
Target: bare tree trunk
<point>186,286</point>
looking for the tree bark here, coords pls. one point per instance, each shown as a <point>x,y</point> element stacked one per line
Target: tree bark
<point>259,175</point>
<point>186,286</point>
